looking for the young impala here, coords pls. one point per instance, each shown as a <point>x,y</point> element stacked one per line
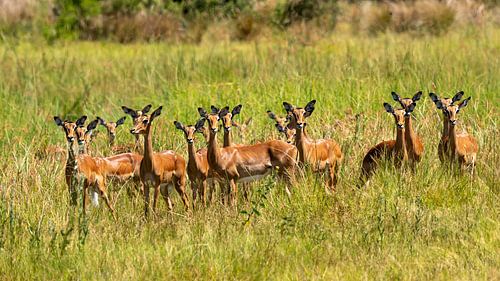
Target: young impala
<point>163,168</point>
<point>414,144</point>
<point>284,125</point>
<point>462,147</point>
<point>245,163</point>
<point>392,149</point>
<point>443,146</point>
<point>82,170</point>
<point>197,167</point>
<point>323,155</point>
<point>111,129</point>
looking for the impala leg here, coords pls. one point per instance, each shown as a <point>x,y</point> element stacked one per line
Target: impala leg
<point>166,197</point>
<point>331,177</point>
<point>85,195</point>
<point>194,187</point>
<point>179,186</point>
<point>146,200</point>
<point>203,192</point>
<point>155,198</point>
<point>102,189</point>
<point>246,191</point>
<point>233,192</point>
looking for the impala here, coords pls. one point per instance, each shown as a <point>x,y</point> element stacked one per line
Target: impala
<point>156,169</point>
<point>245,163</point>
<point>392,149</point>
<point>136,116</point>
<point>443,146</point>
<point>82,169</point>
<point>323,155</point>
<point>284,126</point>
<point>197,167</point>
<point>462,147</point>
<point>413,142</point>
<point>111,129</point>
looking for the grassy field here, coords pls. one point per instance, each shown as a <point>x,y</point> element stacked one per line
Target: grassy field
<point>431,224</point>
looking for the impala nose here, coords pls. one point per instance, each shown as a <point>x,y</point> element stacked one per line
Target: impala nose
<point>227,129</point>
<point>300,125</point>
<point>71,139</point>
<point>453,122</point>
<point>190,140</point>
<point>400,126</point>
<point>80,142</point>
<point>214,130</point>
<point>132,131</point>
<point>288,141</point>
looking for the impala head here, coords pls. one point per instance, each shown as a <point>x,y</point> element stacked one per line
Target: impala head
<point>399,115</point>
<point>142,122</point>
<point>407,102</point>
<point>299,114</point>
<point>445,102</point>
<point>111,126</point>
<point>227,119</point>
<point>84,134</point>
<point>69,127</point>
<point>136,114</point>
<point>289,134</point>
<point>452,110</point>
<point>190,130</point>
<point>281,122</point>
<point>214,117</point>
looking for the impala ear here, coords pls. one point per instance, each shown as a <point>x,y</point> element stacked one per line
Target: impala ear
<point>388,108</point>
<point>463,103</point>
<point>59,121</point>
<point>271,115</point>
<point>81,121</point>
<point>92,125</point>
<point>129,111</point>
<point>203,113</point>
<point>121,121</point>
<point>179,125</point>
<point>223,112</point>
<point>101,121</point>
<point>199,124</point>
<point>395,96</point>
<point>155,113</point>
<point>439,104</point>
<point>410,108</point>
<point>236,110</point>
<point>434,97</point>
<point>146,109</point>
<point>309,108</point>
<point>214,109</point>
<point>417,96</point>
<point>288,107</point>
<point>457,97</point>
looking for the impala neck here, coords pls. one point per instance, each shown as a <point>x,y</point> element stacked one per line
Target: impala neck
<point>111,140</point>
<point>227,138</point>
<point>400,147</point>
<point>452,133</point>
<point>409,134</point>
<point>446,127</point>
<point>71,155</point>
<point>148,147</point>
<point>213,151</point>
<point>191,154</point>
<point>300,143</point>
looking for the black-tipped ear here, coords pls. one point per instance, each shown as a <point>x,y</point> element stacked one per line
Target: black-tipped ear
<point>310,106</point>
<point>288,107</point>
<point>121,121</point>
<point>464,103</point>
<point>395,96</point>
<point>59,121</point>
<point>92,125</point>
<point>388,108</point>
<point>214,109</point>
<point>236,110</point>
<point>81,121</point>
<point>179,125</point>
<point>457,97</point>
<point>101,121</point>
<point>223,112</point>
<point>146,109</point>
<point>199,124</point>
<point>434,97</point>
<point>129,111</point>
<point>155,113</point>
<point>271,115</point>
<point>203,113</point>
<point>439,104</point>
<point>410,108</point>
<point>417,96</point>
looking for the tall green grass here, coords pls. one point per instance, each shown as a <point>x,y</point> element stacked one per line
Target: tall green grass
<point>428,224</point>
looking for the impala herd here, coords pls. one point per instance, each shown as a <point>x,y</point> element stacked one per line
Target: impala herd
<point>231,164</point>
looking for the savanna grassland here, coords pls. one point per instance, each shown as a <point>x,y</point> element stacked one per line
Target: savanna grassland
<point>427,224</point>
